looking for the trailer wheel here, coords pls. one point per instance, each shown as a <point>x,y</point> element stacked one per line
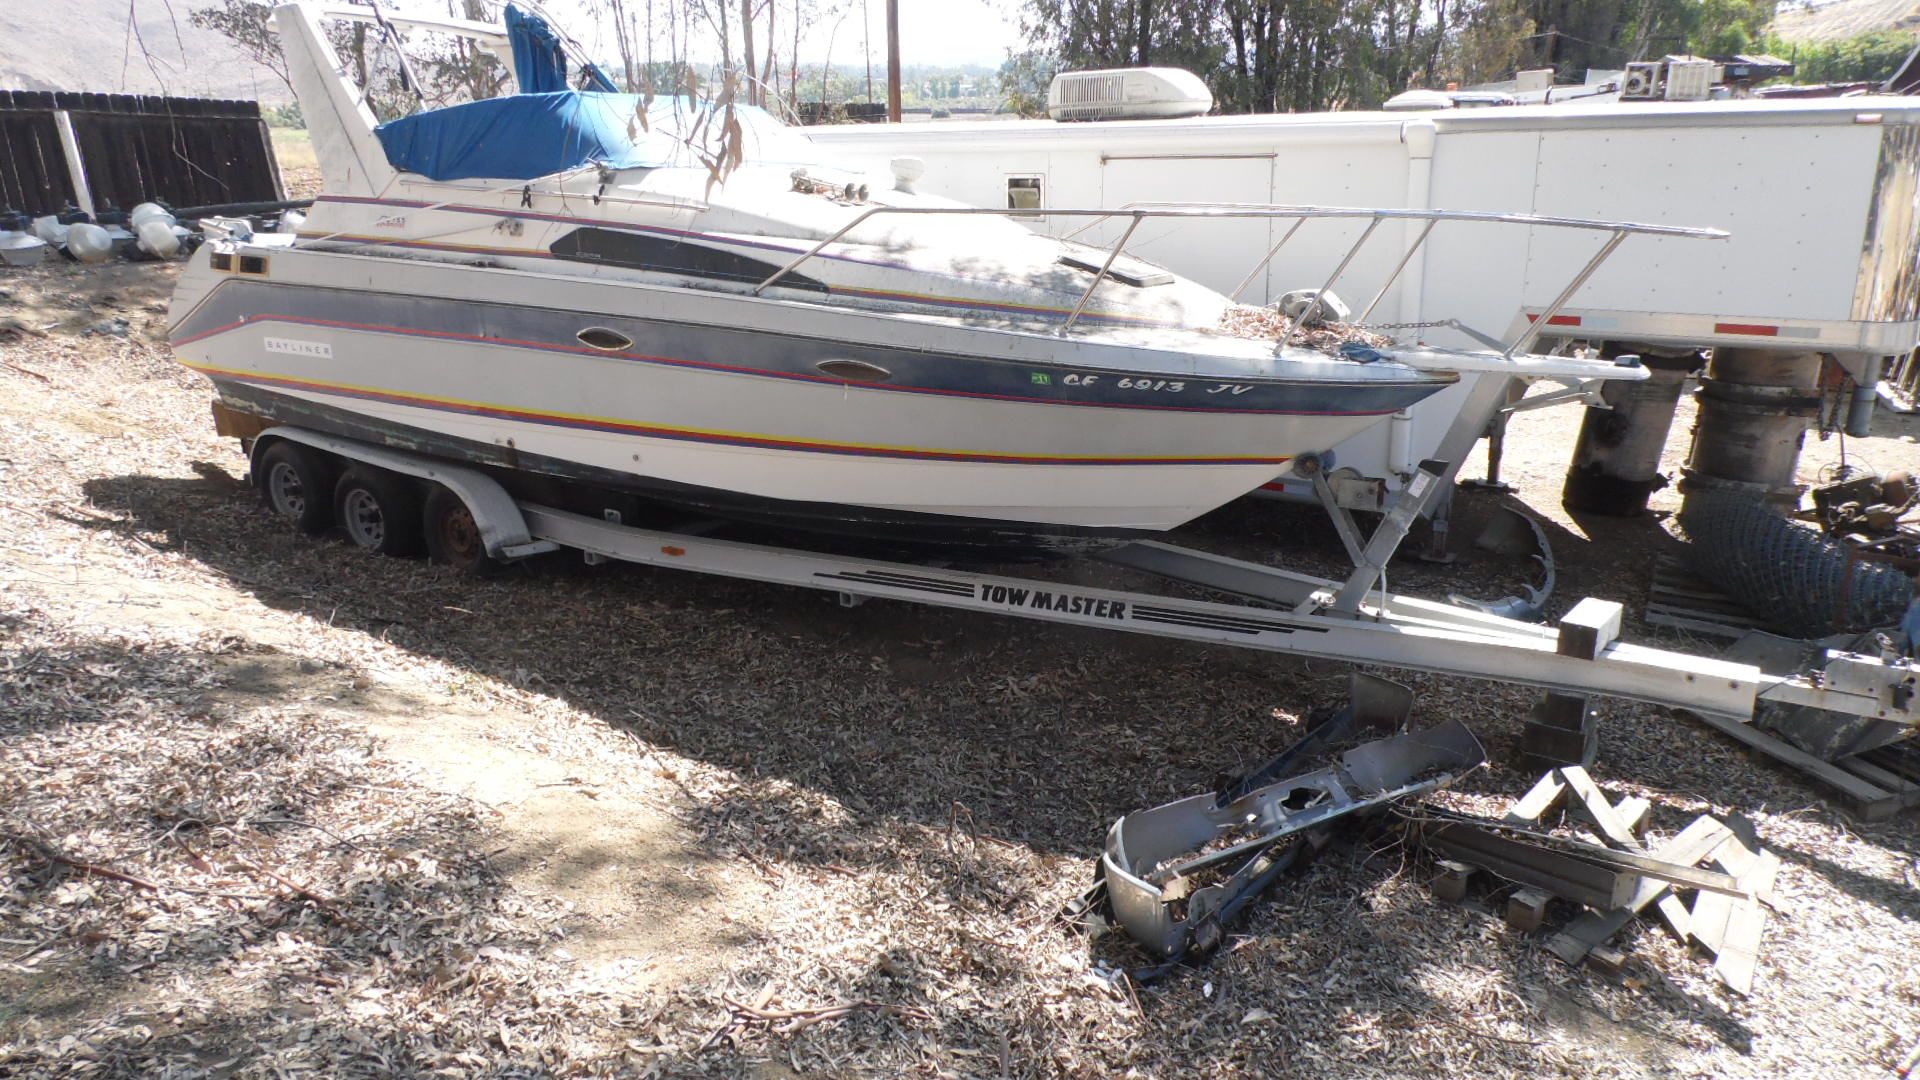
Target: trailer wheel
<point>453,537</point>
<point>379,511</point>
<point>297,482</point>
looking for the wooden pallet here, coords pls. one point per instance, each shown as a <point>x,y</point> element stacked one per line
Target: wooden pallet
<point>1679,599</point>
<point>1875,785</point>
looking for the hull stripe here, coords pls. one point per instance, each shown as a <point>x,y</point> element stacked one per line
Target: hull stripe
<point>728,438</point>
<point>582,350</point>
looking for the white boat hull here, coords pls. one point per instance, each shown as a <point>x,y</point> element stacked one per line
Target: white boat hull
<point>714,405</point>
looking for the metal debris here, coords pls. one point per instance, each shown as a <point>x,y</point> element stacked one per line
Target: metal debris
<point>1175,874</point>
<point>1507,534</point>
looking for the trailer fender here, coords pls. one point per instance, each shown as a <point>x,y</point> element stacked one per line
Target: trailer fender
<point>502,526</point>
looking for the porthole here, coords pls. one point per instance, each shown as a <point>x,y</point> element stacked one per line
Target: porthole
<point>599,337</point>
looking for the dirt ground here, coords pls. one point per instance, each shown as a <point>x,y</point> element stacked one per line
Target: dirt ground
<point>272,807</point>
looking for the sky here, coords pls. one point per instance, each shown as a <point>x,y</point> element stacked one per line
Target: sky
<point>950,31</point>
<point>938,32</point>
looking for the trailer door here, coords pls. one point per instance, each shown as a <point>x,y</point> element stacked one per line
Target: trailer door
<point>1216,253</point>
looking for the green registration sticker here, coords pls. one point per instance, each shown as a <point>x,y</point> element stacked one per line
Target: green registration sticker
<point>1041,378</point>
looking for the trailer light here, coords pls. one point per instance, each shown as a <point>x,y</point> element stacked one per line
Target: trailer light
<point>1868,117</point>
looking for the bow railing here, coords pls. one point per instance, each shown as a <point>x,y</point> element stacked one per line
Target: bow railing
<point>1135,213</point>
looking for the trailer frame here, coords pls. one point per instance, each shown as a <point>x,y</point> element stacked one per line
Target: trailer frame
<point>1280,611</point>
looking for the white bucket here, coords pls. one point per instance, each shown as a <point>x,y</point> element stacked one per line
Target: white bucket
<point>49,229</point>
<point>21,249</point>
<point>145,212</point>
<point>89,243</point>
<point>157,237</point>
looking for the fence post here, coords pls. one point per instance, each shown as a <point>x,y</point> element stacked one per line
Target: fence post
<point>76,169</point>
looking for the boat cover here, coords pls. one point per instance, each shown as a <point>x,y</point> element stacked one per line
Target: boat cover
<point>527,136</point>
<point>523,137</point>
<point>539,60</point>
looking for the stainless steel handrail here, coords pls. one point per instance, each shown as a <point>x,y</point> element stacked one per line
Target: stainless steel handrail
<point>1138,212</point>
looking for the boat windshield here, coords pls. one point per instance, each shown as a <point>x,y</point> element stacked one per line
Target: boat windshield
<point>528,136</point>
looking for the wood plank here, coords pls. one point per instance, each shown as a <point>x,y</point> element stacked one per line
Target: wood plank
<point>1874,774</point>
<point>1527,909</point>
<point>1740,951</point>
<point>1633,811</point>
<point>1826,772</point>
<point>1591,626</point>
<point>1673,911</point>
<point>1597,809</point>
<point>1712,913</point>
<point>1594,928</point>
<point>1451,882</point>
<point>1698,598</point>
<point>1898,758</point>
<point>1708,925</point>
<point>1656,617</point>
<point>1539,801</point>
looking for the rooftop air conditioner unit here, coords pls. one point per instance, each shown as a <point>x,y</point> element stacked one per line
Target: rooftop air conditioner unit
<point>1127,94</point>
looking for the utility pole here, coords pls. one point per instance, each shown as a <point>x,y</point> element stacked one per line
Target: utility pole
<point>893,61</point>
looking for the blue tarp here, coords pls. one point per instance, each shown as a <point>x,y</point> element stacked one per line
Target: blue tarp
<point>539,61</point>
<point>522,137</point>
<point>527,136</point>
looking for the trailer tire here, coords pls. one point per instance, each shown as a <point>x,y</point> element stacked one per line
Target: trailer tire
<point>379,510</point>
<point>453,537</point>
<point>297,483</point>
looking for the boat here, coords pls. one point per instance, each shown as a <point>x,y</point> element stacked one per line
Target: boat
<point>684,300</point>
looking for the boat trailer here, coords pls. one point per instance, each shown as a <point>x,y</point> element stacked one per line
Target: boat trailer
<point>1353,621</point>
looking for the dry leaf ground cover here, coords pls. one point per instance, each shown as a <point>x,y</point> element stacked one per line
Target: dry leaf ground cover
<point>269,807</point>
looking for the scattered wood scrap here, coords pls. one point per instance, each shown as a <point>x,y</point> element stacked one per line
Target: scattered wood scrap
<point>1875,785</point>
<point>1719,864</point>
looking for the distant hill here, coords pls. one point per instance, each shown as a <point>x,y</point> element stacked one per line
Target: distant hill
<point>1842,19</point>
<point>85,45</point>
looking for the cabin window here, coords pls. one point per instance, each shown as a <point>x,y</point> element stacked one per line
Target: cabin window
<point>1025,193</point>
<point>671,255</point>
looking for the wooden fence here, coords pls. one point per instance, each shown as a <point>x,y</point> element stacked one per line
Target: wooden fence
<point>131,149</point>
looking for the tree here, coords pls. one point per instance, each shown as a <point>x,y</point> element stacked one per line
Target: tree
<point>1292,55</point>
<point>1871,57</point>
<point>1024,79</point>
<point>249,25</point>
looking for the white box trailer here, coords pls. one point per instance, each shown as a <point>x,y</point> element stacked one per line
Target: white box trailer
<point>1822,199</point>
